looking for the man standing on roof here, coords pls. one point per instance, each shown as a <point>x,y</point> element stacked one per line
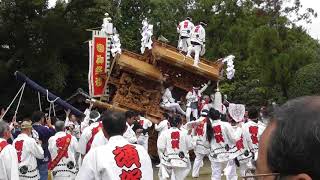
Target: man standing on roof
<point>198,39</point>
<point>184,29</point>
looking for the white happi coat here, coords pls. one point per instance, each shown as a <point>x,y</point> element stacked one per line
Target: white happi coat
<point>172,142</point>
<point>62,170</point>
<point>162,126</point>
<point>198,35</point>
<point>130,135</point>
<point>193,96</point>
<point>167,97</point>
<point>76,131</point>
<point>117,160</point>
<point>27,152</point>
<point>251,133</point>
<point>225,144</point>
<point>8,162</point>
<point>99,140</point>
<point>87,137</point>
<point>86,119</point>
<point>143,138</point>
<point>184,28</point>
<point>200,136</point>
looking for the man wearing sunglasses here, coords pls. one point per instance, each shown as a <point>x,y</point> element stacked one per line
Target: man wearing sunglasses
<point>290,145</point>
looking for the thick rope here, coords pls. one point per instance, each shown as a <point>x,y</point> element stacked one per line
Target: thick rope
<point>18,105</point>
<point>39,99</point>
<point>22,87</point>
<point>51,104</point>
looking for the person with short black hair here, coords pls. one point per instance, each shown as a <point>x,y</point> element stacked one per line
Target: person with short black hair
<point>145,124</point>
<point>42,133</point>
<point>174,144</point>
<point>88,135</point>
<point>161,127</point>
<point>130,135</point>
<point>118,159</point>
<point>8,155</point>
<point>63,148</point>
<point>289,147</point>
<point>225,145</point>
<point>251,133</point>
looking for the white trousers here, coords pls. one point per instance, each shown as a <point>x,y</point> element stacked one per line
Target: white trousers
<point>183,44</point>
<point>198,163</point>
<point>194,113</point>
<point>231,174</point>
<point>174,107</point>
<point>174,173</point>
<point>196,49</point>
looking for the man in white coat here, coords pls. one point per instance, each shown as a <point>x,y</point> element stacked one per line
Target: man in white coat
<point>193,97</point>
<point>143,138</point>
<point>225,145</point>
<point>88,135</point>
<point>129,134</point>
<point>169,103</point>
<point>251,133</point>
<point>27,151</point>
<point>161,127</point>
<point>184,29</point>
<point>62,148</point>
<point>119,159</point>
<point>198,39</point>
<point>8,155</point>
<point>174,144</point>
<point>202,147</point>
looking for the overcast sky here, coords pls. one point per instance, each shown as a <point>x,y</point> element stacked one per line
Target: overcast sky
<point>313,29</point>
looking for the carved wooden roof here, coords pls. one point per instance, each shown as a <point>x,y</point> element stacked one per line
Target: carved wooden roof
<point>145,65</point>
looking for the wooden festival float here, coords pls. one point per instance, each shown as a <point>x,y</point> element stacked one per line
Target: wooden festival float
<point>122,80</point>
<point>136,82</point>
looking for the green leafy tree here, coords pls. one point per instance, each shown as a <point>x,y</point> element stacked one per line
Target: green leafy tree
<point>306,81</point>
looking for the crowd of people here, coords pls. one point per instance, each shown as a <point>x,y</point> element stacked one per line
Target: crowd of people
<point>114,145</point>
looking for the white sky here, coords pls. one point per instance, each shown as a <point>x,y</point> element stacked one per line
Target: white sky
<point>313,29</point>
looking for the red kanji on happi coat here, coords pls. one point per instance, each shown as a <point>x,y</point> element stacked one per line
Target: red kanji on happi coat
<point>94,131</point>
<point>185,24</point>
<point>135,174</point>
<point>128,156</point>
<point>141,122</point>
<point>199,129</point>
<point>239,144</point>
<point>218,134</point>
<point>175,139</point>
<point>18,146</point>
<point>253,130</point>
<point>197,28</point>
<point>3,144</point>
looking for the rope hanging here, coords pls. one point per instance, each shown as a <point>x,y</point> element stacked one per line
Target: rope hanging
<point>15,97</point>
<point>51,104</point>
<point>39,99</point>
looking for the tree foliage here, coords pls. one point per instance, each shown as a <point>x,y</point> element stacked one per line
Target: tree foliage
<point>306,81</point>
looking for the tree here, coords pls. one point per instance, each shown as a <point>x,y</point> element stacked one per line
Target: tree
<point>306,81</point>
